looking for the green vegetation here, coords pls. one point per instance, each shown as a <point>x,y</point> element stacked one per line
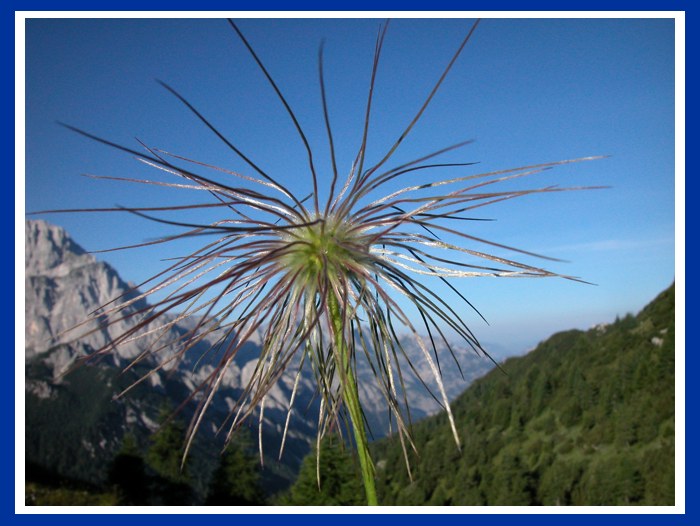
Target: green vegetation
<point>236,482</point>
<point>127,474</point>
<point>170,481</point>
<point>40,495</point>
<point>585,419</point>
<point>340,481</point>
<point>75,432</point>
<point>152,476</point>
<point>75,429</point>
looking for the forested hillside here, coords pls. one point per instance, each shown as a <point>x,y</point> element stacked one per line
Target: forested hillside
<point>587,418</point>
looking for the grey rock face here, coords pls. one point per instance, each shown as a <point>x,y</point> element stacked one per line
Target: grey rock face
<point>64,286</point>
<point>49,250</point>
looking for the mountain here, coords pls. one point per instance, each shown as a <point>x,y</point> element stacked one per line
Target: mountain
<point>74,423</point>
<point>587,418</point>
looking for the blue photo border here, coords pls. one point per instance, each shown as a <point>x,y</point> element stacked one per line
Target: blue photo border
<point>7,14</point>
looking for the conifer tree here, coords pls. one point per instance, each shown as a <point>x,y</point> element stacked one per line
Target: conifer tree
<point>339,483</point>
<point>171,484</point>
<point>127,474</point>
<point>236,481</point>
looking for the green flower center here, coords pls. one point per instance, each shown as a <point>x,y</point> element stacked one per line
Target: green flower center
<point>324,249</point>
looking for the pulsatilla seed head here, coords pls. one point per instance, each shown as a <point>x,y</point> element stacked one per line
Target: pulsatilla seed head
<point>324,248</point>
<point>302,282</point>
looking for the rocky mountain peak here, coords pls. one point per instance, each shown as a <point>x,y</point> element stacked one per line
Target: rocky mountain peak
<point>48,249</point>
<point>63,286</point>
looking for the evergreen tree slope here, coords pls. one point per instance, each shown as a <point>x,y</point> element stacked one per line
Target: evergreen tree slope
<point>587,418</point>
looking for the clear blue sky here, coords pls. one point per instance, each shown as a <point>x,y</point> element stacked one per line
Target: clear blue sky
<point>527,91</point>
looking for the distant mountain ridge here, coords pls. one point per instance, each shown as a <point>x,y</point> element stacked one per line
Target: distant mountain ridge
<point>63,286</point>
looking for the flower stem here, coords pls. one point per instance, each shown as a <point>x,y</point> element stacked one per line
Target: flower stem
<point>352,401</point>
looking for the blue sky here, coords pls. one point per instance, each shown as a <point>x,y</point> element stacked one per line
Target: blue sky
<point>527,91</point>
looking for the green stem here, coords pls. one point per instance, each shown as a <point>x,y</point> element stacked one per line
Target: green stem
<point>352,401</point>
